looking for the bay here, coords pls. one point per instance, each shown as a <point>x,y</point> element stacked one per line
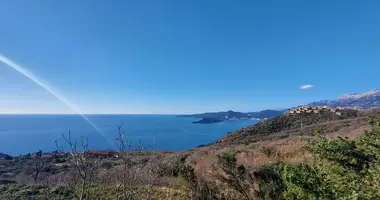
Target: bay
<point>20,134</point>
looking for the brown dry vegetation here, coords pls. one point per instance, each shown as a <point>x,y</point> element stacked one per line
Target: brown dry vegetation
<point>287,150</point>
<point>284,146</point>
<point>161,169</point>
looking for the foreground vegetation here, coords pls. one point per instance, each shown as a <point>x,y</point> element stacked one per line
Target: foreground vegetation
<point>342,169</point>
<point>337,168</point>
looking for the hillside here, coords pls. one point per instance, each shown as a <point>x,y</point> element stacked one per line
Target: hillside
<point>298,124</point>
<point>5,156</point>
<point>232,115</point>
<point>364,100</point>
<point>177,175</point>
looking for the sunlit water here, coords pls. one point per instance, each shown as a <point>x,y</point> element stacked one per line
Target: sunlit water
<point>20,134</point>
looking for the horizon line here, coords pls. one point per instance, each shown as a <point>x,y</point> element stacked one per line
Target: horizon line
<point>185,113</point>
<point>93,114</point>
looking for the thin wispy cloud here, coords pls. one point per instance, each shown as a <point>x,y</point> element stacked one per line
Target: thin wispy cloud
<point>306,87</point>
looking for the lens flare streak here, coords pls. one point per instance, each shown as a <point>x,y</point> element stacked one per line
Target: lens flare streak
<point>48,88</point>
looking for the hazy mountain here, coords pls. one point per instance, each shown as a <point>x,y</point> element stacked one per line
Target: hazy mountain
<point>364,100</point>
<point>5,156</point>
<point>232,115</point>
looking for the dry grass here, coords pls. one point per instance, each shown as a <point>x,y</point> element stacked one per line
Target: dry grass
<point>166,193</point>
<point>284,150</point>
<point>287,150</point>
<point>285,146</point>
<point>350,133</point>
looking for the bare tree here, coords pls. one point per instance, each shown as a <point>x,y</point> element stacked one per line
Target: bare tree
<point>124,146</point>
<point>38,165</point>
<point>85,166</point>
<point>47,191</point>
<point>132,179</point>
<point>136,178</point>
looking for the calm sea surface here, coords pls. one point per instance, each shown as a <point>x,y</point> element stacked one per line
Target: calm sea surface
<point>20,134</point>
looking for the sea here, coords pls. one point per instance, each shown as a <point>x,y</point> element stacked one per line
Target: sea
<point>22,134</point>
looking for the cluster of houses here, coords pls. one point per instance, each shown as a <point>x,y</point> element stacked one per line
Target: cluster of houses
<point>315,109</point>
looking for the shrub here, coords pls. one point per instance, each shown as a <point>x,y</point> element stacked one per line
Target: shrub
<point>172,168</point>
<point>269,179</point>
<point>268,151</point>
<point>197,188</point>
<point>235,176</point>
<point>342,169</point>
<point>107,164</point>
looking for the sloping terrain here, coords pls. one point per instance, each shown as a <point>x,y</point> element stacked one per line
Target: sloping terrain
<point>277,140</point>
<point>299,124</point>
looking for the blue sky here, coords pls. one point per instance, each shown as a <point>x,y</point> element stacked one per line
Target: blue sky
<point>186,56</point>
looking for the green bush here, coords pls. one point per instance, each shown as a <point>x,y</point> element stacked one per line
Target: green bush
<point>269,179</point>
<point>173,168</point>
<point>342,169</point>
<point>237,177</point>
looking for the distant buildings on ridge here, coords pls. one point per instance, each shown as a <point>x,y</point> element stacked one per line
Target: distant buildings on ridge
<point>314,109</point>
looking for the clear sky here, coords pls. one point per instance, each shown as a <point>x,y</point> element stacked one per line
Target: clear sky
<point>186,56</point>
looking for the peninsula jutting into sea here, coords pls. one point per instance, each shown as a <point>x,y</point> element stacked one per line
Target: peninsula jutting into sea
<point>216,117</point>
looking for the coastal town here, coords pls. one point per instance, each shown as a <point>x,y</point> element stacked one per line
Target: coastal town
<point>314,109</point>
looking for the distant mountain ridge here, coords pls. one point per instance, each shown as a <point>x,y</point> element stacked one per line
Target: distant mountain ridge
<point>364,100</point>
